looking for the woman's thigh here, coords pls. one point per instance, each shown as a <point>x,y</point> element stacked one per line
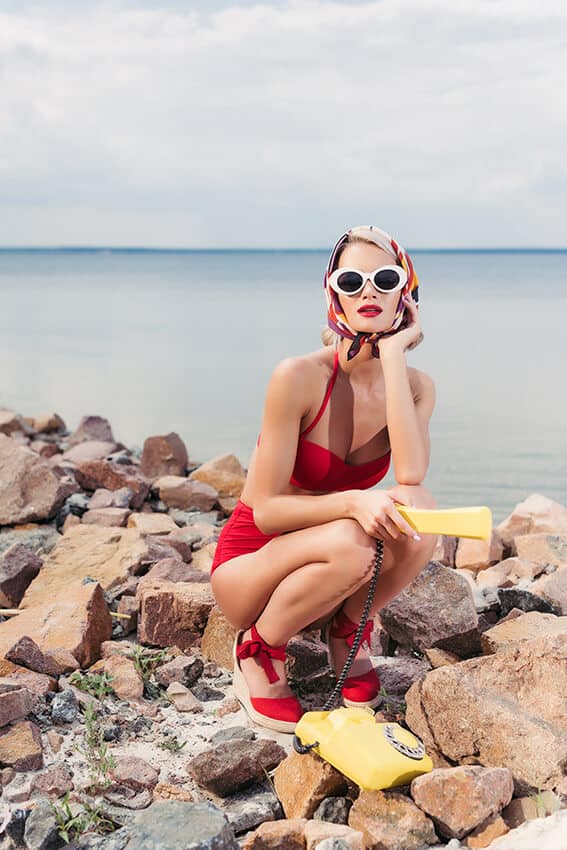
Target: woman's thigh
<point>243,585</point>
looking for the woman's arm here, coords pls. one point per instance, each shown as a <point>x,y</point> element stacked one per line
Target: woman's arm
<point>407,417</point>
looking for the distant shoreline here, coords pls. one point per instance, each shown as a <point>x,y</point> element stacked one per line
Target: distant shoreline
<point>102,249</point>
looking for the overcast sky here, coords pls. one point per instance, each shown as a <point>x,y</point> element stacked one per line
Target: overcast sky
<point>211,124</point>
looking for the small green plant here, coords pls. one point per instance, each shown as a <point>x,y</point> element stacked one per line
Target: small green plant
<point>89,818</point>
<point>172,744</point>
<point>146,660</point>
<point>95,751</point>
<point>98,685</point>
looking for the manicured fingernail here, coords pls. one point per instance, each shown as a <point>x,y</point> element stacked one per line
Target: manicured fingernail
<point>416,537</point>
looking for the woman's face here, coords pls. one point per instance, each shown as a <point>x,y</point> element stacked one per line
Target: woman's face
<point>361,309</point>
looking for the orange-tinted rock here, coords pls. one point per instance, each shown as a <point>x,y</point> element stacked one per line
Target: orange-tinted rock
<point>20,747</point>
<point>224,473</point>
<point>128,608</point>
<point>15,703</point>
<point>390,821</point>
<point>483,836</point>
<point>31,488</point>
<point>12,424</point>
<point>459,799</point>
<point>542,548</point>
<point>478,554</point>
<point>316,831</point>
<point>535,514</point>
<point>94,474</point>
<point>126,681</point>
<point>277,835</point>
<point>55,781</point>
<point>553,588</point>
<point>203,558</point>
<point>176,491</point>
<point>173,614</point>
<point>218,639</point>
<point>152,523</point>
<point>533,624</point>
<point>106,517</point>
<point>164,791</point>
<point>301,782</point>
<point>47,423</point>
<point>501,710</point>
<point>77,621</point>
<point>164,455</point>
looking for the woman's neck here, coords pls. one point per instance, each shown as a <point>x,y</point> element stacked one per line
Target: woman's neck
<point>362,364</point>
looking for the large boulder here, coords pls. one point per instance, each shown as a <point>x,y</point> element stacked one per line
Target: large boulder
<point>224,473</point>
<point>29,488</point>
<point>536,513</point>
<point>173,614</point>
<point>164,455</point>
<point>502,710</point>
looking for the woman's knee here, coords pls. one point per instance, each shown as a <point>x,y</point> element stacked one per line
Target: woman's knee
<point>351,550</point>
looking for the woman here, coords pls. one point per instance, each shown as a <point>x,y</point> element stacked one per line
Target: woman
<point>299,548</point>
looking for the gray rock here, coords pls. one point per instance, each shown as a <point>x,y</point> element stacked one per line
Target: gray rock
<point>205,693</point>
<point>42,539</point>
<point>333,810</point>
<point>436,609</point>
<point>173,825</point>
<point>515,597</point>
<point>40,832</point>
<point>248,809</point>
<point>334,844</point>
<point>233,733</point>
<point>64,707</point>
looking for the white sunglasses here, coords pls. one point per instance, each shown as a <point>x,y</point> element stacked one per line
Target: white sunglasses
<point>351,281</point>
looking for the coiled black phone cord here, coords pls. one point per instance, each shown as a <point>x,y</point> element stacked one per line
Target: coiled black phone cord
<point>305,748</point>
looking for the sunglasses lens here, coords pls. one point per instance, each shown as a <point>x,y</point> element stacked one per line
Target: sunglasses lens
<point>349,281</point>
<point>387,279</point>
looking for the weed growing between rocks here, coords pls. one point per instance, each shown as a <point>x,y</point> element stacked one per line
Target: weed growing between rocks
<point>91,817</point>
<point>146,661</point>
<point>95,751</point>
<point>98,685</point>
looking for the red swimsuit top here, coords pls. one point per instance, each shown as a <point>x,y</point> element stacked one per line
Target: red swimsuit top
<point>318,468</point>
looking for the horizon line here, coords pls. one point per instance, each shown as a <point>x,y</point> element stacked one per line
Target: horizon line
<point>139,249</point>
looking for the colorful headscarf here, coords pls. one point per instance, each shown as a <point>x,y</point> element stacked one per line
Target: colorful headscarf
<point>336,319</point>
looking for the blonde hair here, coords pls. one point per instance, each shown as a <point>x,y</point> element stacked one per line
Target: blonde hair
<point>329,336</point>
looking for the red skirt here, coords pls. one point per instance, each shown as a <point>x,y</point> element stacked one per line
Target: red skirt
<point>240,536</point>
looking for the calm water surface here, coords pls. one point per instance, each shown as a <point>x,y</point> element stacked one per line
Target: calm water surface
<point>186,342</point>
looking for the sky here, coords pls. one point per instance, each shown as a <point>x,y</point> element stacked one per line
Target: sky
<point>281,124</point>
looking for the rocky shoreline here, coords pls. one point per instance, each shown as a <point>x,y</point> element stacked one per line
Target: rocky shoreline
<point>118,725</point>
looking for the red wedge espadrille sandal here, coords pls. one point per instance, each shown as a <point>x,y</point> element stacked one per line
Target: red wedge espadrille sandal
<point>357,691</point>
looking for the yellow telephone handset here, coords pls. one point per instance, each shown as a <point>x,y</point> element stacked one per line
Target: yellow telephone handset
<point>475,522</point>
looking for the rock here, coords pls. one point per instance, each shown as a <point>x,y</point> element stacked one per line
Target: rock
<point>40,538</point>
<point>497,576</point>
<point>206,693</point>
<point>19,565</point>
<point>288,834</point>
<point>303,781</point>
<point>12,423</point>
<point>48,423</point>
<point>185,669</point>
<point>182,698</point>
<point>542,548</point>
<point>36,683</point>
<point>228,767</point>
<point>30,489</point>
<point>20,747</point>
<point>519,568</point>
<point>333,810</point>
<point>459,799</point>
<point>88,450</point>
<point>55,740</point>
<point>230,706</point>
<point>77,622</point>
<point>318,832</point>
<point>64,708</point>
<point>107,555</point>
<point>152,523</point>
<point>218,639</point>
<point>179,492</point>
<point>435,610</point>
<point>305,656</point>
<point>126,680</point>
<point>522,809</point>
<point>390,821</point>
<point>203,558</point>
<point>164,455</point>
<point>536,514</point>
<point>164,791</point>
<point>249,808</point>
<point>517,597</point>
<point>508,634</point>
<point>27,653</point>
<point>128,798</point>
<point>478,554</point>
<point>14,704</point>
<point>440,657</point>
<point>173,614</point>
<point>398,674</point>
<point>92,428</point>
<point>173,569</point>
<point>487,832</point>
<point>233,733</point>
<point>553,588</point>
<point>54,781</point>
<point>103,498</point>
<point>171,824</point>
<point>107,517</point>
<point>502,710</point>
<point>135,773</point>
<point>95,474</point>
<point>41,829</point>
<point>224,473</point>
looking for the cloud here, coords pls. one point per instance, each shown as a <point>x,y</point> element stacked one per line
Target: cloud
<point>282,123</point>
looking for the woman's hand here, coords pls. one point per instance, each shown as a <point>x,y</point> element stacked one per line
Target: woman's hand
<point>403,339</point>
<point>375,511</point>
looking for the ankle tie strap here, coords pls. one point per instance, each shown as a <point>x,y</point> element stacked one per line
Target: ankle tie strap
<point>257,647</point>
<point>343,627</point>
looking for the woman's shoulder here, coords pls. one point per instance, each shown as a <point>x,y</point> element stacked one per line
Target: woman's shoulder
<point>305,368</point>
<point>421,383</point>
